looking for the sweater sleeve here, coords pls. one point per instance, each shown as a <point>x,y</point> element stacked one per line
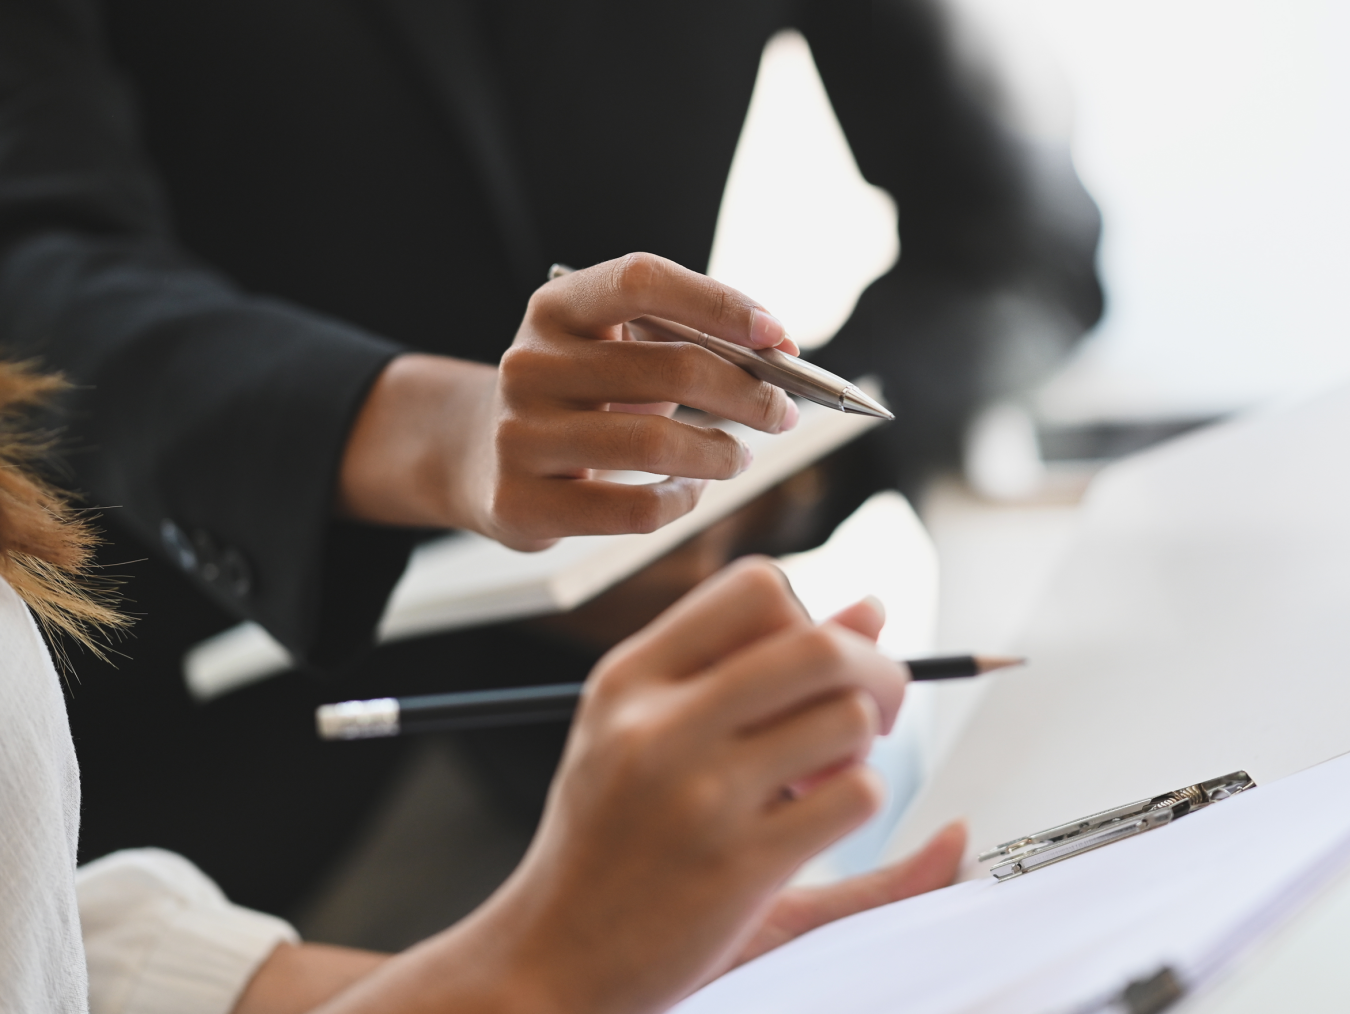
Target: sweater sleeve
<point>209,422</point>
<point>161,938</point>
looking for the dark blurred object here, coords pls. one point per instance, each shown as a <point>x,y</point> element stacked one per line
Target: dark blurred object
<point>435,848</point>
<point>1105,441</point>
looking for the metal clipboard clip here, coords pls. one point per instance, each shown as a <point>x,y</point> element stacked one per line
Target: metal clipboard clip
<point>1022,855</point>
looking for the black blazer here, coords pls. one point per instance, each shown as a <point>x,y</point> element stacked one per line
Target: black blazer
<point>222,217</point>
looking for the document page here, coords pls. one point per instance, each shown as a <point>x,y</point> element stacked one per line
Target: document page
<point>1190,896</point>
<point>1195,627</point>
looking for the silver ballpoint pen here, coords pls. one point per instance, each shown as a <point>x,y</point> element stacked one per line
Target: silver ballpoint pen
<point>794,375</point>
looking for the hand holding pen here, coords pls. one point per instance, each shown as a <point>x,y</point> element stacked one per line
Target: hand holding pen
<point>513,452</point>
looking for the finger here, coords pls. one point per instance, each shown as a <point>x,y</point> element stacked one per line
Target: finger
<point>837,805</point>
<point>799,910</point>
<point>638,284</point>
<point>830,733</point>
<point>933,866</point>
<point>780,674</point>
<point>562,443</point>
<point>591,373</point>
<point>665,408</point>
<point>742,604</point>
<point>866,616</point>
<point>544,509</point>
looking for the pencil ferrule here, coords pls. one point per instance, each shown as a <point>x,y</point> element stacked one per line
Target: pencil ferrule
<point>358,719</point>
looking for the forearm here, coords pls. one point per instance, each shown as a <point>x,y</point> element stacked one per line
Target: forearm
<point>474,967</point>
<point>298,978</point>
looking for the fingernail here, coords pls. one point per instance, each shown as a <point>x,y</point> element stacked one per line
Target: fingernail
<point>747,457</point>
<point>790,417</point>
<point>766,330</point>
<point>876,604</point>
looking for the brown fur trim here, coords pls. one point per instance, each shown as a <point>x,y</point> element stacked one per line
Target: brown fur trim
<point>46,547</point>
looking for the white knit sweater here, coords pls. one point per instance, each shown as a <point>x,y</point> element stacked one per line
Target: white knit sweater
<point>158,936</point>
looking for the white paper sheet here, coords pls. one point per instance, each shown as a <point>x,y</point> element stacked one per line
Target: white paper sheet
<point>1197,626</point>
<point>1191,895</point>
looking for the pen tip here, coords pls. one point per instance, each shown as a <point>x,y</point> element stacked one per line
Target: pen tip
<point>855,401</point>
<point>988,663</point>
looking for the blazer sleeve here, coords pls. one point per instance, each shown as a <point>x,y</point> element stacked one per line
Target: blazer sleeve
<point>996,278</point>
<point>207,421</point>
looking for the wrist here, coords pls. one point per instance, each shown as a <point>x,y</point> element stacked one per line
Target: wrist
<point>411,455</point>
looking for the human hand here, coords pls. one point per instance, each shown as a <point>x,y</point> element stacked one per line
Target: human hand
<point>512,452</point>
<point>711,755</point>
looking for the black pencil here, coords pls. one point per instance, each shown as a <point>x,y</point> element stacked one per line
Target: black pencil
<point>480,709</point>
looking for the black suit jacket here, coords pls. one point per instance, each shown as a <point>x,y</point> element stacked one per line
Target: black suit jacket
<point>222,217</point>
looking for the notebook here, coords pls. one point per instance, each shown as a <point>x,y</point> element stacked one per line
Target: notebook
<point>1186,901</point>
<point>464,579</point>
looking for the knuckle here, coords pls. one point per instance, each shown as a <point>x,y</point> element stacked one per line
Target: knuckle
<point>647,444</point>
<point>541,301</point>
<point>512,434</point>
<point>863,788</point>
<point>822,649</point>
<point>703,795</point>
<point>724,306</point>
<point>636,273</point>
<point>644,512</point>
<point>608,681</point>
<point>508,504</point>
<point>629,734</point>
<point>680,368</point>
<point>762,582</point>
<point>858,716</point>
<point>520,366</point>
<point>769,406</point>
<point>726,451</point>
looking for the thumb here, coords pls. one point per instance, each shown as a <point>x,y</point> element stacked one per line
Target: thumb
<point>933,866</point>
<point>799,910</point>
<point>866,616</point>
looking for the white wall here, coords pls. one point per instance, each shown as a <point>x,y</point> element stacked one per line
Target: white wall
<point>1215,135</point>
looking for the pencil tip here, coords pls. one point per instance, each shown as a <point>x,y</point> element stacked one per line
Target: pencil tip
<point>988,663</point>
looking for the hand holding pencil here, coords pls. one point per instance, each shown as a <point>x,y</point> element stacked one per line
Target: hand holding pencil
<point>712,754</point>
<point>524,705</point>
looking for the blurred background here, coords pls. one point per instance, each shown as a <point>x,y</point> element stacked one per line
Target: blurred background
<point>1215,138</point>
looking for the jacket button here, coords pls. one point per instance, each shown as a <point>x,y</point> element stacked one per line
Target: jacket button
<point>207,556</point>
<point>235,574</point>
<point>178,545</point>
